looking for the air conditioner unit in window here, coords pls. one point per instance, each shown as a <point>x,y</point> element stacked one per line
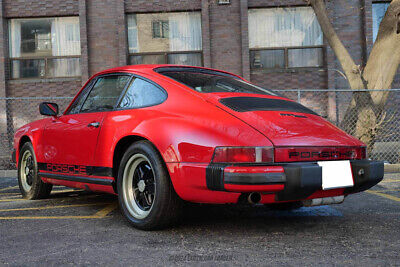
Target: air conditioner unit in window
<point>224,2</point>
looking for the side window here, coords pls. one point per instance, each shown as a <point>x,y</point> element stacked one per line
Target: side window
<point>105,93</point>
<point>76,106</point>
<point>141,94</point>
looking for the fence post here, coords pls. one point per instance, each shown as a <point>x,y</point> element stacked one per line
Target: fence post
<point>298,95</point>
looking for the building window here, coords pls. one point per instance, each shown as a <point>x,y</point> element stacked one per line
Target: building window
<point>160,29</point>
<point>44,47</point>
<point>160,38</point>
<point>281,38</point>
<point>378,12</point>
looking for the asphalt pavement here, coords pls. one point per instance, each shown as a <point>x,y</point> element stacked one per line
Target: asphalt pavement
<point>74,227</point>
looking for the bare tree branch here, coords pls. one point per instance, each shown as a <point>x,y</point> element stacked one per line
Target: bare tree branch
<point>349,67</point>
<point>384,59</point>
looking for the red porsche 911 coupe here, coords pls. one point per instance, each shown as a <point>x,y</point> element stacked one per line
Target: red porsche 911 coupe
<point>159,134</point>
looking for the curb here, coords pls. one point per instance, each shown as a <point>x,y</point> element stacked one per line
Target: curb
<point>8,173</point>
<point>392,168</point>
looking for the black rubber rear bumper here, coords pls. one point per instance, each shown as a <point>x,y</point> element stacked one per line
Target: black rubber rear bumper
<point>300,179</point>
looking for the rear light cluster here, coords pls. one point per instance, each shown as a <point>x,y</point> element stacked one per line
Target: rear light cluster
<point>293,154</point>
<point>286,154</point>
<point>243,155</point>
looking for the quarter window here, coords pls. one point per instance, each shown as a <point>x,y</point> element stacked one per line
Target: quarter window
<point>141,94</point>
<point>44,47</point>
<point>284,38</point>
<point>160,38</point>
<point>105,93</point>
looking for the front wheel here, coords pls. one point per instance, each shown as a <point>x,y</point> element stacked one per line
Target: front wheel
<point>30,184</point>
<point>145,192</point>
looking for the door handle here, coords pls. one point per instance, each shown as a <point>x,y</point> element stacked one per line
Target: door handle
<point>94,124</point>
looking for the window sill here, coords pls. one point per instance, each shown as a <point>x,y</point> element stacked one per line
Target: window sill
<point>47,80</point>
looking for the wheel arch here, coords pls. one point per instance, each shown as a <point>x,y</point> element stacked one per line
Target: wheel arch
<point>22,141</point>
<point>120,148</point>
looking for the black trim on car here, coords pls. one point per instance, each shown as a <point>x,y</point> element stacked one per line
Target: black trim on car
<point>254,178</point>
<point>244,104</point>
<point>366,174</point>
<point>80,179</point>
<point>215,177</point>
<point>76,169</point>
<point>300,179</point>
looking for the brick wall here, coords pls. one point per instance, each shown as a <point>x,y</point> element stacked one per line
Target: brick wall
<point>51,88</point>
<point>133,6</point>
<point>225,39</point>
<point>302,79</point>
<point>37,8</point>
<point>276,3</point>
<point>225,36</point>
<point>102,35</point>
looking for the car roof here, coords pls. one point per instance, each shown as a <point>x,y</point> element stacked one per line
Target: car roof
<point>150,69</point>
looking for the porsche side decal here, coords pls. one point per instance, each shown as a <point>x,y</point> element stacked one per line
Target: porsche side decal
<point>75,169</point>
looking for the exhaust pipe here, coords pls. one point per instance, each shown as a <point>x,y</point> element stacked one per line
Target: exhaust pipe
<point>254,198</point>
<point>323,201</point>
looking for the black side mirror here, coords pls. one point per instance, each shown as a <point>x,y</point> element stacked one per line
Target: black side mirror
<point>48,109</point>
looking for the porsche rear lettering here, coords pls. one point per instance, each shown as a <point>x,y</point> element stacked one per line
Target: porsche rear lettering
<point>323,154</point>
<point>65,168</point>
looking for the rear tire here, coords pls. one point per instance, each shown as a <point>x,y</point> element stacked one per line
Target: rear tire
<point>30,184</point>
<point>145,192</point>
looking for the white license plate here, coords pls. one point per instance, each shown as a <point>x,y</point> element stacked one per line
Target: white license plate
<point>336,174</point>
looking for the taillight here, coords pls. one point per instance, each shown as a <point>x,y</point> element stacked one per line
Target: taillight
<point>292,154</point>
<point>243,155</point>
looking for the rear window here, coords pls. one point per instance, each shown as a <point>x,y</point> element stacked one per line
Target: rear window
<point>215,83</point>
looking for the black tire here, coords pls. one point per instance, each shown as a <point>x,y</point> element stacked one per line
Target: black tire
<point>156,189</point>
<point>30,184</point>
<point>285,206</point>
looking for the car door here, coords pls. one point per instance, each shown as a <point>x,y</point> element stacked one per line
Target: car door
<point>70,140</point>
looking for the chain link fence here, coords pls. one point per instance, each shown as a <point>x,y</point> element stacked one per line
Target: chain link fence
<point>334,105</point>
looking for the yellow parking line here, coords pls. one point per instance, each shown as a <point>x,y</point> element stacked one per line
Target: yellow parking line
<point>8,194</point>
<point>8,188</point>
<point>385,191</point>
<point>54,207</point>
<point>98,215</point>
<point>104,212</point>
<point>12,199</point>
<point>43,200</point>
<point>384,195</point>
<point>390,181</point>
<point>48,217</point>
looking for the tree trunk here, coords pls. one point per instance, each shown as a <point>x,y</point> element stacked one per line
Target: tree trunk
<point>350,69</point>
<point>365,113</point>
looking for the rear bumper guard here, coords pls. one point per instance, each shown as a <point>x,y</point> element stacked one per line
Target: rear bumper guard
<point>291,181</point>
